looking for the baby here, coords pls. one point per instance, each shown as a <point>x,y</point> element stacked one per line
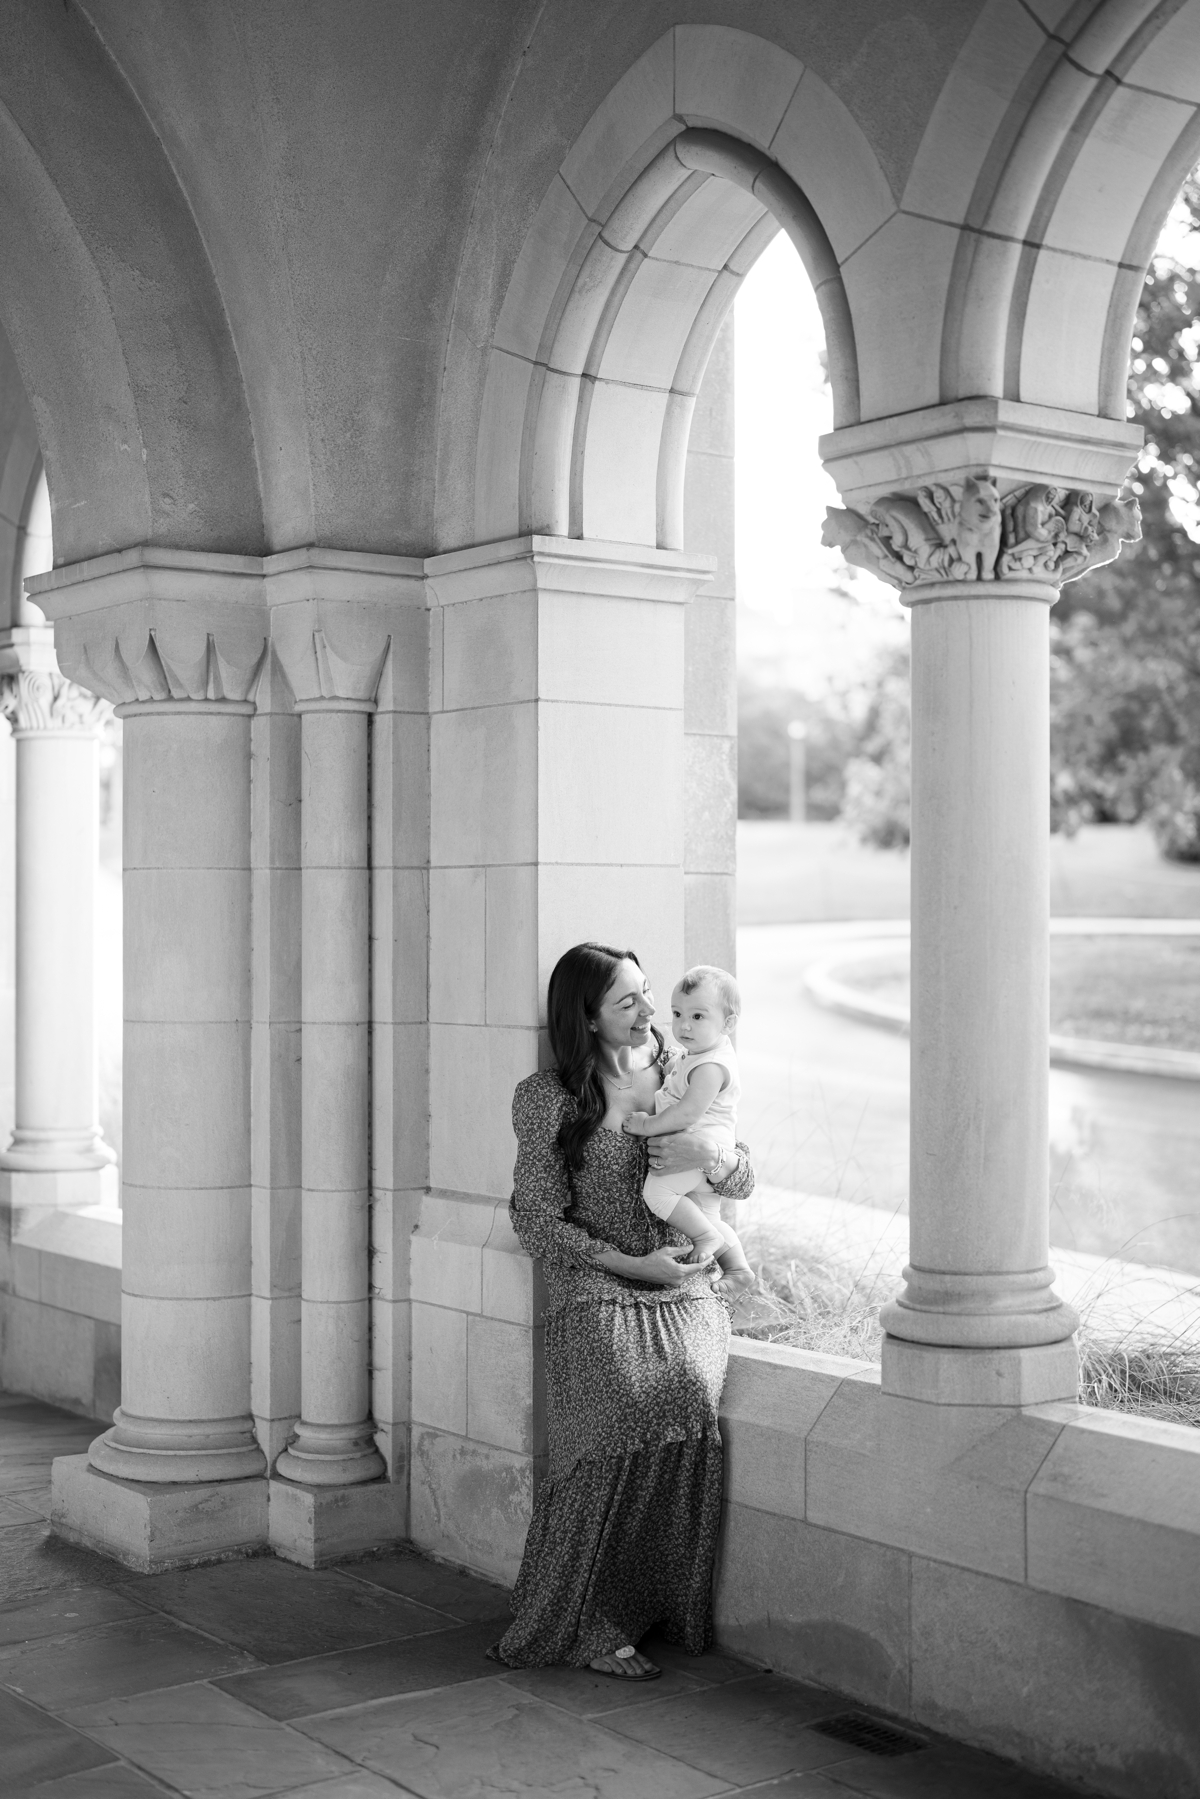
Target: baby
<point>701,1089</point>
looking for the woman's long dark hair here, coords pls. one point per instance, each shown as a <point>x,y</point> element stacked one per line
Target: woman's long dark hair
<point>580,980</point>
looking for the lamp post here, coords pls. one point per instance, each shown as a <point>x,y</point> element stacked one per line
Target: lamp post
<point>798,802</point>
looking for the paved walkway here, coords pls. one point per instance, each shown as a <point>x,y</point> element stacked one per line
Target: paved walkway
<point>254,1677</point>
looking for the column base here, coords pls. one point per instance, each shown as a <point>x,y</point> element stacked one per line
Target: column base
<point>168,1450</point>
<point>331,1455</point>
<point>30,1193</point>
<point>979,1311</point>
<point>153,1527</point>
<point>319,1525</point>
<point>946,1375</point>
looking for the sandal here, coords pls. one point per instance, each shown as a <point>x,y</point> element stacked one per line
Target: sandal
<point>623,1655</point>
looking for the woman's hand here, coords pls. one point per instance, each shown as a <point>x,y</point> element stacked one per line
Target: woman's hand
<point>686,1149</point>
<point>670,1267</point>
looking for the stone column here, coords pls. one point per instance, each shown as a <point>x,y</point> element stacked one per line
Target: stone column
<point>57,1157</point>
<point>178,640</point>
<point>185,1316</point>
<point>979,557</point>
<point>334,617</point>
<point>334,1443</point>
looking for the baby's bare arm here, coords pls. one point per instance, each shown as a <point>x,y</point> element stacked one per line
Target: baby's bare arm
<point>704,1083</point>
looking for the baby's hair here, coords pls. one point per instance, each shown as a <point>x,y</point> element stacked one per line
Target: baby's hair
<point>724,983</point>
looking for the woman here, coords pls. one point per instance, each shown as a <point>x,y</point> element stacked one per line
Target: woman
<point>624,1529</point>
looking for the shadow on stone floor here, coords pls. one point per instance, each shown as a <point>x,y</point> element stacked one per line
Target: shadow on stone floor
<point>256,1677</point>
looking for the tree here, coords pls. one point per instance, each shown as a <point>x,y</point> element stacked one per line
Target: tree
<point>1125,676</point>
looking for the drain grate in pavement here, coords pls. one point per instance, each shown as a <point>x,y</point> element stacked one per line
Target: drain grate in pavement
<point>870,1734</point>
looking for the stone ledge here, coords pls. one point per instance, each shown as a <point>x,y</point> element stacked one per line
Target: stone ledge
<point>1065,1499</point>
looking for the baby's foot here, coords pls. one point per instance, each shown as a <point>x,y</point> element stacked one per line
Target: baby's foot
<point>734,1282</point>
<point>699,1256</point>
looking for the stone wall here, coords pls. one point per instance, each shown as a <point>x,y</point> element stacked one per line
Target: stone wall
<point>1021,1579</point>
<point>60,1307</point>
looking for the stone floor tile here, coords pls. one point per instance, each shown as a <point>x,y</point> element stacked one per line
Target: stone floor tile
<point>33,1562</point>
<point>745,1731</point>
<point>136,1656</point>
<point>488,1738</point>
<point>798,1786</point>
<point>588,1694</point>
<point>31,1435</point>
<point>280,1612</point>
<point>59,1613</point>
<point>945,1771</point>
<point>446,1589</point>
<point>13,1513</point>
<point>710,1669</point>
<point>115,1781</point>
<point>200,1741</point>
<point>34,1747</point>
<point>359,1785</point>
<point>324,1683</point>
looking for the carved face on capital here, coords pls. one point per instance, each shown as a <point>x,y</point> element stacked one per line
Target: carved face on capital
<point>979,507</point>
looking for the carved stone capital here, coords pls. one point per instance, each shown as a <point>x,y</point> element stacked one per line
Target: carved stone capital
<point>37,699</point>
<point>331,651</point>
<point>962,532</point>
<point>334,616</point>
<point>163,651</point>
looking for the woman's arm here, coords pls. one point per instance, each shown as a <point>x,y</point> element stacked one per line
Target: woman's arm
<point>541,1183</point>
<point>729,1171</point>
<point>542,1195</point>
<point>661,1268</point>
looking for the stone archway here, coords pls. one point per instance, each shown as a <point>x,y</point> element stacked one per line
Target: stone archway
<point>631,265</point>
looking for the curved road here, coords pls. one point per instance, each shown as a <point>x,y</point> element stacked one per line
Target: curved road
<point>825,1107</point>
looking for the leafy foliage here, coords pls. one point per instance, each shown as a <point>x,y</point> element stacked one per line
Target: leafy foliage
<point>764,759</point>
<point>1125,675</point>
<point>878,782</point>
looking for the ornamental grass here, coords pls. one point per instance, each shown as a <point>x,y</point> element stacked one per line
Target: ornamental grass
<point>828,1305</point>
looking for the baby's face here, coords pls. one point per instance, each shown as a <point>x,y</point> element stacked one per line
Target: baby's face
<point>698,1018</point>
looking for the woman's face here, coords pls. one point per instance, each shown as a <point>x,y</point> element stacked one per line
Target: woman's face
<point>623,1019</point>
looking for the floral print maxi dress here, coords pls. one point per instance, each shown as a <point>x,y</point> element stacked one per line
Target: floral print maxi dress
<point>624,1528</point>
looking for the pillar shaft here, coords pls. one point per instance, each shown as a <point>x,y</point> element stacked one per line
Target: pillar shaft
<point>185,1395</point>
<point>56,1133</point>
<point>334,1441</point>
<point>979,1243</point>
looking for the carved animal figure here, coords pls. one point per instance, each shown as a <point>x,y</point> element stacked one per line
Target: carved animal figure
<point>977,530</point>
<point>842,527</point>
<point>860,543</point>
<point>1035,532</point>
<point>1118,521</point>
<point>912,535</point>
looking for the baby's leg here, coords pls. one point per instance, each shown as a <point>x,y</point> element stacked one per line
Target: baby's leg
<point>738,1275</point>
<point>686,1216</point>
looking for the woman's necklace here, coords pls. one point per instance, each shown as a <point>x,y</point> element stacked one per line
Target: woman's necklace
<point>617,1086</point>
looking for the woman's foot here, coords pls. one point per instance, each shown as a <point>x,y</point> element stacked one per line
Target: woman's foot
<point>626,1664</point>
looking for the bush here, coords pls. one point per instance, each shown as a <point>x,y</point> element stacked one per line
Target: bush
<point>878,789</point>
<point>1175,816</point>
<point>878,802</point>
<point>764,753</point>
